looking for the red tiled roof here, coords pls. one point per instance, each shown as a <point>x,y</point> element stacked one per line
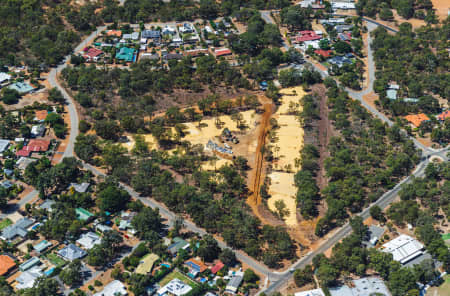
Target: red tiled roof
<point>307,36</point>
<point>114,33</point>
<point>93,52</point>
<point>195,52</point>
<point>41,114</point>
<point>444,115</point>
<point>417,119</point>
<point>217,267</point>
<point>200,264</point>
<point>322,52</point>
<point>6,264</point>
<point>222,52</point>
<point>42,144</point>
<point>33,146</point>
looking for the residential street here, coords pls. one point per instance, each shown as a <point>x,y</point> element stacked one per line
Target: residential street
<point>277,279</point>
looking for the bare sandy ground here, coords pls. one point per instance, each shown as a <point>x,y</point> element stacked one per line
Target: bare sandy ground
<point>442,7</point>
<point>290,142</point>
<point>209,130</point>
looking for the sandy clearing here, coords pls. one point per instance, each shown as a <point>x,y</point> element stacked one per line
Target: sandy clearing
<point>442,8</point>
<point>282,187</point>
<point>202,135</point>
<point>213,165</point>
<point>290,142</point>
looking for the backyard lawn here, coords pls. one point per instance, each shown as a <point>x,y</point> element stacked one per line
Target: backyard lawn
<point>54,259</point>
<point>177,275</point>
<point>5,223</point>
<point>444,289</point>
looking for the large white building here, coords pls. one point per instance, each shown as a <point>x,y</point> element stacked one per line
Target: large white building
<point>175,287</point>
<point>403,248</point>
<point>114,288</point>
<point>314,292</point>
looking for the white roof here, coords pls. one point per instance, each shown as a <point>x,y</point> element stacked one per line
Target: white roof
<point>343,5</point>
<point>114,288</point>
<point>28,278</point>
<point>3,145</point>
<point>89,240</point>
<point>403,248</point>
<point>315,292</point>
<point>4,77</point>
<point>175,287</point>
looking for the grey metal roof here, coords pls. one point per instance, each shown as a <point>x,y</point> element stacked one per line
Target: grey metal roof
<point>362,287</point>
<point>72,252</point>
<point>17,229</point>
<point>81,188</point>
<point>3,145</point>
<point>235,281</point>
<point>151,34</point>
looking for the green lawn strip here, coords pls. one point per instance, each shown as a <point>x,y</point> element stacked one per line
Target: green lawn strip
<point>5,223</point>
<point>177,275</point>
<point>54,259</point>
<point>444,289</point>
<point>446,236</point>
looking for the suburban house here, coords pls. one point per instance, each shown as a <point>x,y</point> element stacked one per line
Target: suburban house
<point>32,262</point>
<point>174,287</point>
<point>47,205</point>
<point>306,36</point>
<point>216,268</point>
<point>114,288</point>
<point>21,87</point>
<point>83,214</point>
<point>311,3</point>
<point>441,117</point>
<point>403,248</point>
<point>3,145</point>
<point>89,240</point>
<point>178,244</point>
<point>37,130</point>
<point>333,21</point>
<point>132,36</point>
<point>20,228</point>
<point>220,52</point>
<point>186,28</point>
<point>233,284</point>
<point>80,188</point>
<point>314,292</point>
<point>322,52</point>
<point>362,287</point>
<point>92,54</point>
<point>7,264</point>
<point>417,119</point>
<point>173,56</point>
<point>71,252</point>
<point>4,77</point>
<point>40,115</point>
<point>340,61</point>
<point>126,54</point>
<point>42,246</point>
<point>28,278</point>
<point>35,145</point>
<point>342,5</point>
<point>23,162</point>
<point>152,35</point>
<point>391,91</point>
<point>114,33</point>
<point>167,30</point>
<point>343,28</point>
<point>195,266</point>
<point>150,56</point>
<point>146,264</point>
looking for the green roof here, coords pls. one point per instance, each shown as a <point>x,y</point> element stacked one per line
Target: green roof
<point>125,54</point>
<point>29,263</point>
<point>83,214</point>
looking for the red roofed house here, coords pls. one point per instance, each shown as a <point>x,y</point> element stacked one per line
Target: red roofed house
<point>307,36</point>
<point>196,265</point>
<point>115,33</point>
<point>6,264</point>
<point>417,119</point>
<point>40,115</point>
<point>217,267</point>
<point>444,115</point>
<point>35,145</point>
<point>196,52</point>
<point>222,52</point>
<point>92,54</point>
<point>322,52</point>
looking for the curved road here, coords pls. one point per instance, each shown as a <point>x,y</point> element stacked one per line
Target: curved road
<point>277,279</point>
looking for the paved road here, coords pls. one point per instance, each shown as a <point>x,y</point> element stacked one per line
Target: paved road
<point>279,279</point>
